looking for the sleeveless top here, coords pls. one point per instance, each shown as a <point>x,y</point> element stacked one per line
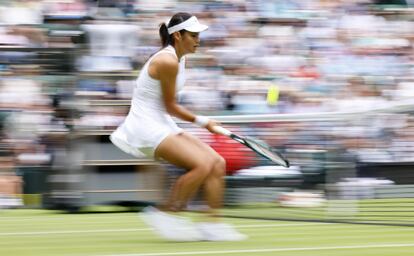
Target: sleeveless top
<point>148,123</point>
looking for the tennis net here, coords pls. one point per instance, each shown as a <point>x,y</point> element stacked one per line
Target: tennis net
<point>350,167</point>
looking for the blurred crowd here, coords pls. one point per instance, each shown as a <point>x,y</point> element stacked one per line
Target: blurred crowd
<point>69,65</point>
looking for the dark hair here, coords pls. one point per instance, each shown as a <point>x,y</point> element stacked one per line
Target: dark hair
<point>166,38</point>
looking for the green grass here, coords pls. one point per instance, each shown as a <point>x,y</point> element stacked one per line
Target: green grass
<point>49,233</point>
<point>380,211</point>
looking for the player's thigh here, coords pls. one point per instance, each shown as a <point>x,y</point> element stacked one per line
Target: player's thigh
<point>177,149</point>
<point>210,152</point>
<point>216,160</point>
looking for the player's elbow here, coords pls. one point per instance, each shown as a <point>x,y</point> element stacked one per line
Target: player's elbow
<point>171,108</point>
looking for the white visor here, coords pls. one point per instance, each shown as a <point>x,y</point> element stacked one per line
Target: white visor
<point>191,25</point>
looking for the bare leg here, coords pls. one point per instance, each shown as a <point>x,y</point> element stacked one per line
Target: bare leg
<point>183,152</point>
<point>212,228</point>
<point>213,186</point>
<point>184,189</point>
<point>214,192</point>
<point>206,168</point>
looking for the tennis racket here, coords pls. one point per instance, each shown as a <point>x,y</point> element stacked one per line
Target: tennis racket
<point>257,146</point>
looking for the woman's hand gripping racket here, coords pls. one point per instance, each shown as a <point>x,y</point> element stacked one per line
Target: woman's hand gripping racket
<point>257,146</point>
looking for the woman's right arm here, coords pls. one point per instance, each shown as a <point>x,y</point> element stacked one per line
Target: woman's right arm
<point>166,70</point>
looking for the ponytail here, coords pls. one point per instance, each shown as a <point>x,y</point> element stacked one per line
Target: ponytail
<point>165,37</point>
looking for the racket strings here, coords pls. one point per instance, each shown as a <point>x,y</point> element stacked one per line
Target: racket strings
<point>265,150</point>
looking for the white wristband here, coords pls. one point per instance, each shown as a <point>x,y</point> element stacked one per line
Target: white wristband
<point>201,121</point>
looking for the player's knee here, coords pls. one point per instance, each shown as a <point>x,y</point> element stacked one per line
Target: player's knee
<point>219,169</point>
<point>204,169</point>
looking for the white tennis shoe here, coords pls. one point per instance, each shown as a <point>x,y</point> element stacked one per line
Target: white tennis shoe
<point>220,232</point>
<point>171,227</point>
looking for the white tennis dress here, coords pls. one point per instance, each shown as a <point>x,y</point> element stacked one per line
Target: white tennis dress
<point>148,123</point>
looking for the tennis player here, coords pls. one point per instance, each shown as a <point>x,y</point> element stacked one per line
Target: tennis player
<point>149,131</point>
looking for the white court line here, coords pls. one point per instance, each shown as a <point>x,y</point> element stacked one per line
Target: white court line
<point>71,232</point>
<point>142,229</point>
<point>64,217</point>
<point>267,250</point>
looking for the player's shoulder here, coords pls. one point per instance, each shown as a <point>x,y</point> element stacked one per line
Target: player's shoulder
<point>165,59</point>
<point>164,64</point>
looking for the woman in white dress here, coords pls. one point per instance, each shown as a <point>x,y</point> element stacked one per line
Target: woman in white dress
<point>150,131</point>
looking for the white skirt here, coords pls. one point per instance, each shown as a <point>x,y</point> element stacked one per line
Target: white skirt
<point>140,135</point>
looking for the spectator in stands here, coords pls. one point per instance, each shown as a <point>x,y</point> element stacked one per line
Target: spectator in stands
<point>149,130</point>
<point>10,183</point>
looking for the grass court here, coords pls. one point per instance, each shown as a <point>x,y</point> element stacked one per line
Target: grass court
<point>26,232</point>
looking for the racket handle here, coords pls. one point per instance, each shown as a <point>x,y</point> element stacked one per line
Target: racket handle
<point>222,131</point>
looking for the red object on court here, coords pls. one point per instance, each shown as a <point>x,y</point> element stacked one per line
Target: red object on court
<point>236,155</point>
